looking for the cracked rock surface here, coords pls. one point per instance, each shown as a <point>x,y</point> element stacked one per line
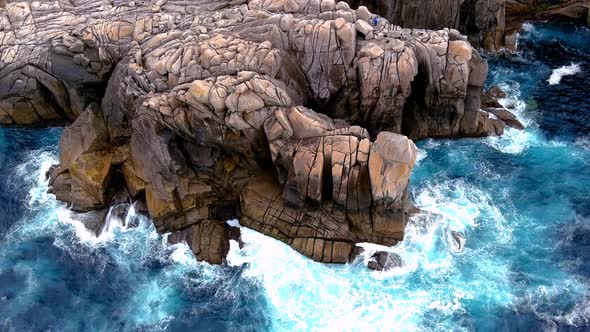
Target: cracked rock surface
<point>295,116</point>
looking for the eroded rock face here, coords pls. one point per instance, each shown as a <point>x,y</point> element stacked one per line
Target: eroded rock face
<point>295,116</point>
<point>475,18</point>
<point>514,12</point>
<point>489,24</point>
<point>420,14</point>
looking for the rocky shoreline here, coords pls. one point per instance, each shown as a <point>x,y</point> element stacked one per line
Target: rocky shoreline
<point>296,117</point>
<point>489,24</point>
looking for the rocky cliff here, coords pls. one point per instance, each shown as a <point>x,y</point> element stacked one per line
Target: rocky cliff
<point>491,24</point>
<point>514,12</point>
<point>295,116</point>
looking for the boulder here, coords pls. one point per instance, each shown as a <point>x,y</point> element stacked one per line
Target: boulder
<point>92,220</point>
<point>363,27</point>
<point>456,241</point>
<point>362,13</point>
<point>87,134</point>
<point>506,116</point>
<point>391,161</point>
<point>490,104</point>
<point>384,261</point>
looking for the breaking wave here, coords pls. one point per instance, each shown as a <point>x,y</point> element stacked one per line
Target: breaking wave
<point>560,72</point>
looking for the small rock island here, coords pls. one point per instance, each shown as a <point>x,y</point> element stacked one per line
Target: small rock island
<point>296,117</point>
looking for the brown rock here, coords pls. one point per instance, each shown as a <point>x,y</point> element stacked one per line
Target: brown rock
<point>363,27</point>
<point>507,117</point>
<point>384,261</point>
<point>390,165</point>
<point>87,134</point>
<point>201,113</point>
<point>91,171</point>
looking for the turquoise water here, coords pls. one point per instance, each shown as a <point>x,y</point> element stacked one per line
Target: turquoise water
<point>521,200</point>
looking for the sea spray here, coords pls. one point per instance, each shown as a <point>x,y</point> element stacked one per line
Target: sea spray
<point>560,72</point>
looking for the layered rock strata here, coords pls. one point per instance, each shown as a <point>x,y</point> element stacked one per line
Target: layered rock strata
<point>205,111</point>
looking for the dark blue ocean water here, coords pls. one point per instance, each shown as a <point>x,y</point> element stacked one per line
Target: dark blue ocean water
<point>522,201</point>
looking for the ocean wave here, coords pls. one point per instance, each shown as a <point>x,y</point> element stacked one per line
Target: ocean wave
<point>422,154</point>
<point>560,72</point>
<point>118,253</point>
<point>302,294</point>
<point>528,27</point>
<point>514,141</point>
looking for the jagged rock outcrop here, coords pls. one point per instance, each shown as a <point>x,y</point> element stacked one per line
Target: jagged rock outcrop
<point>490,24</point>
<point>204,111</point>
<point>475,18</point>
<point>490,104</point>
<point>420,14</point>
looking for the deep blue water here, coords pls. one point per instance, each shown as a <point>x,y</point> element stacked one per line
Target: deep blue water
<point>522,201</point>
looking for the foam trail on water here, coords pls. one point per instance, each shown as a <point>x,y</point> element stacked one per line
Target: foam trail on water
<point>560,72</point>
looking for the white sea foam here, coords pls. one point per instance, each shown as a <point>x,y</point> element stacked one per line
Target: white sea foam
<point>305,295</point>
<point>119,247</point>
<point>515,141</point>
<point>234,223</point>
<point>579,315</point>
<point>528,27</point>
<point>421,155</point>
<point>560,72</point>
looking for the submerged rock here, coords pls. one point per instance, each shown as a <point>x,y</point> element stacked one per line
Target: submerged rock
<point>456,241</point>
<point>496,92</point>
<point>384,261</point>
<point>204,112</point>
<point>94,221</point>
<point>489,103</point>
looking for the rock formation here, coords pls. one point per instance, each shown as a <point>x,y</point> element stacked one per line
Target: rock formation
<point>491,24</point>
<point>514,12</point>
<point>490,104</point>
<point>295,116</point>
<point>475,18</point>
<point>384,261</point>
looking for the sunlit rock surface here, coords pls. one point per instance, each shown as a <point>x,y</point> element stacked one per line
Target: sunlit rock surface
<point>294,116</point>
